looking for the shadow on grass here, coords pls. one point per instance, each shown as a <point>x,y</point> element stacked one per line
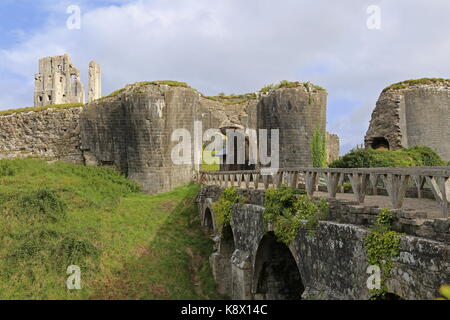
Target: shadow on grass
<point>174,266</point>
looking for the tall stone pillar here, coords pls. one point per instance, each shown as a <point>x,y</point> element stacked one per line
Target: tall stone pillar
<point>95,82</point>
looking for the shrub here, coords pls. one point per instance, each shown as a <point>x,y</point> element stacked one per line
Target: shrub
<point>223,208</point>
<point>425,156</point>
<point>73,251</point>
<point>288,211</point>
<point>369,158</point>
<point>42,203</point>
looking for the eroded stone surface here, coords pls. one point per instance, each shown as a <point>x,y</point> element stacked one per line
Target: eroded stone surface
<point>95,81</point>
<point>413,115</point>
<point>51,133</point>
<point>58,82</point>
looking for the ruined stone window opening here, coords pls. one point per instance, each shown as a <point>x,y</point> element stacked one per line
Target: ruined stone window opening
<point>380,143</point>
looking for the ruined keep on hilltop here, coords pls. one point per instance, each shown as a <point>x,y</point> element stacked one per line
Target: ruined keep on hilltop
<point>58,82</point>
<point>411,113</point>
<point>131,128</point>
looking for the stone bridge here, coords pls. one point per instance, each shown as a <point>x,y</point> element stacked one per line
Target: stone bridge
<point>249,263</point>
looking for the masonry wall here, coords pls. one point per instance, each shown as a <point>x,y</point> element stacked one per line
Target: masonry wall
<point>51,133</point>
<point>333,147</point>
<point>131,130</point>
<point>296,112</point>
<point>413,115</point>
<point>332,263</point>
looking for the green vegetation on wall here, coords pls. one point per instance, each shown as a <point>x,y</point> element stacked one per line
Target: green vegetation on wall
<point>423,81</point>
<point>369,158</point>
<point>223,207</point>
<point>53,107</point>
<point>382,246</point>
<point>318,149</point>
<point>288,210</point>
<point>138,85</point>
<point>290,84</point>
<point>232,98</point>
<point>445,292</point>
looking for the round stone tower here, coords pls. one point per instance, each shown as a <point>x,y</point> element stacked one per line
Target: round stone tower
<point>411,113</point>
<point>296,110</point>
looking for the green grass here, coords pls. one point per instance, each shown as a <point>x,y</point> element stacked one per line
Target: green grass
<point>138,85</point>
<point>423,81</point>
<point>290,84</point>
<point>127,244</point>
<point>233,98</point>
<point>53,107</point>
<point>164,82</point>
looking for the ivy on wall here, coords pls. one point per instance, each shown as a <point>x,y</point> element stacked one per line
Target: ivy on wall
<point>318,148</point>
<point>288,210</point>
<point>223,207</point>
<point>382,246</point>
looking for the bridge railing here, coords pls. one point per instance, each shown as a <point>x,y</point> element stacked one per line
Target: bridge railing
<point>395,180</point>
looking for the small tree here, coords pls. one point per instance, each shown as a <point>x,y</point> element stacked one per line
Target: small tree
<point>319,149</point>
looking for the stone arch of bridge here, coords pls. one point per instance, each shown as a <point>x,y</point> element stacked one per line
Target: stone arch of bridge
<point>276,275</point>
<point>208,220</point>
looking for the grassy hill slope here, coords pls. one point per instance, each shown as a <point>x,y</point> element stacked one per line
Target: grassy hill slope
<point>127,244</point>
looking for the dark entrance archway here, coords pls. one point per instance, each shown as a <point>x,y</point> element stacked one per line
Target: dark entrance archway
<point>208,221</point>
<point>276,276</point>
<point>380,143</point>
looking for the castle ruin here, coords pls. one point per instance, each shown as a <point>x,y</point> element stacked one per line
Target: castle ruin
<point>58,82</point>
<point>95,82</point>
<point>412,113</point>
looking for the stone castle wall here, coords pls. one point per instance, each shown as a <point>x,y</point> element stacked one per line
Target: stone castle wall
<point>132,129</point>
<point>51,133</point>
<point>333,147</point>
<point>296,112</point>
<point>413,115</point>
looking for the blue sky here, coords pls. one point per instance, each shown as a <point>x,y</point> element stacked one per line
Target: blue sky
<point>233,46</point>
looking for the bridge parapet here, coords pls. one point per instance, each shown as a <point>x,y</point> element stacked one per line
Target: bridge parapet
<point>395,180</point>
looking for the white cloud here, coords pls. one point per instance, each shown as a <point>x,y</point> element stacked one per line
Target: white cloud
<point>238,46</point>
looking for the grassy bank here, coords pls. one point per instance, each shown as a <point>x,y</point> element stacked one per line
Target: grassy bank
<point>127,244</point>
